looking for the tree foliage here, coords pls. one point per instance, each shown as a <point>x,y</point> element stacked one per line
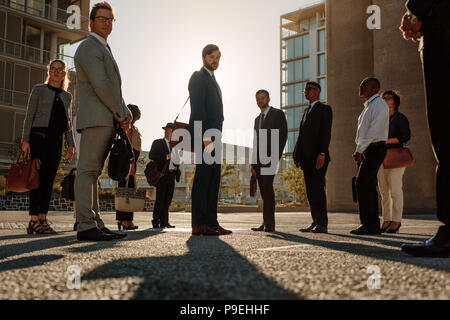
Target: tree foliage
<point>294,181</point>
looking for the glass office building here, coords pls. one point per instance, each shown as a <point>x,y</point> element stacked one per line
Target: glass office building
<point>303,58</point>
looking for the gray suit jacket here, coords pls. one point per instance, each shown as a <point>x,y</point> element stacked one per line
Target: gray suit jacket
<point>39,111</point>
<point>99,86</point>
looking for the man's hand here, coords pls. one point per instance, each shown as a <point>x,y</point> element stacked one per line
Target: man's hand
<point>411,30</point>
<point>126,123</point>
<point>169,156</point>
<point>320,162</point>
<point>359,157</point>
<point>253,170</point>
<point>69,153</point>
<point>26,147</point>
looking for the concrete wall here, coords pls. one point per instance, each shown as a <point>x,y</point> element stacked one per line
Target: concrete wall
<point>355,52</point>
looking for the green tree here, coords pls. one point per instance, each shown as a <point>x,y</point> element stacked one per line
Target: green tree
<point>294,181</point>
<point>226,171</point>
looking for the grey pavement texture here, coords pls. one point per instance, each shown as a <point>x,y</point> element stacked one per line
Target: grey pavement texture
<point>172,264</point>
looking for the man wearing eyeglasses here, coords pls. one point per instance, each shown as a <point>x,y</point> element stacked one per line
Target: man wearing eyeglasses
<point>101,106</point>
<point>312,155</point>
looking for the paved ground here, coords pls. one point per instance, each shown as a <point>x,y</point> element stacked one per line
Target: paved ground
<point>155,264</point>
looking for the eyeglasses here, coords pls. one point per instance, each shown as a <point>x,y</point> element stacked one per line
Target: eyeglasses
<point>59,70</point>
<point>105,19</point>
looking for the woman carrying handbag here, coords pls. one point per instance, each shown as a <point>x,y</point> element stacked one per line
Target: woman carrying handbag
<point>125,219</point>
<point>390,175</point>
<point>49,117</point>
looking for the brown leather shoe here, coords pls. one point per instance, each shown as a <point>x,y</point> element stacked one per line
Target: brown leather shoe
<point>320,229</point>
<point>259,229</point>
<point>222,231</point>
<point>205,231</point>
<point>168,226</point>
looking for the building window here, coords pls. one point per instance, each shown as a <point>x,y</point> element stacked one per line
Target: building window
<point>292,140</point>
<point>322,65</point>
<point>321,41</point>
<point>323,93</point>
<point>294,115</point>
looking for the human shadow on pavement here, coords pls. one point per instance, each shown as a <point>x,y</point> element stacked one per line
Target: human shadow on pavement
<point>28,262</point>
<point>37,244</point>
<point>101,245</point>
<point>367,250</point>
<point>211,269</point>
<point>383,239</point>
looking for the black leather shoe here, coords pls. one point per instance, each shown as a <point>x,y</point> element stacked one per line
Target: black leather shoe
<point>438,246</point>
<point>260,229</point>
<point>155,224</point>
<point>320,229</point>
<point>117,235</point>
<point>269,228</point>
<point>363,230</point>
<point>168,226</point>
<point>94,235</point>
<point>309,229</point>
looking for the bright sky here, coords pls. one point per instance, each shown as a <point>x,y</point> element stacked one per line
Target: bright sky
<point>158,44</point>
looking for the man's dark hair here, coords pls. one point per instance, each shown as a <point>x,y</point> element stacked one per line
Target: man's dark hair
<point>374,82</point>
<point>100,5</point>
<point>210,48</point>
<point>394,95</point>
<point>315,84</point>
<point>263,91</point>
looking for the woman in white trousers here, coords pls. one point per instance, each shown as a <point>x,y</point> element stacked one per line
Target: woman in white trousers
<point>390,181</point>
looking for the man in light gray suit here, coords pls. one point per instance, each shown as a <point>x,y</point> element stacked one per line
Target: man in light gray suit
<point>101,106</point>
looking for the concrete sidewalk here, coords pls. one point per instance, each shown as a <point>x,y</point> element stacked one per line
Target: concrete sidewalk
<point>171,264</point>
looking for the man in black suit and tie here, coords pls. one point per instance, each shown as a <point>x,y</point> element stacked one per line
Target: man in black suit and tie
<point>207,113</point>
<point>427,20</point>
<point>312,155</point>
<point>270,122</point>
<point>168,163</point>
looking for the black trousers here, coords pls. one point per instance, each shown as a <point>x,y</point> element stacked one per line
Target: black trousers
<point>436,64</point>
<point>122,215</point>
<point>47,147</point>
<point>265,183</point>
<point>205,193</point>
<point>316,193</point>
<point>366,185</point>
<point>164,194</point>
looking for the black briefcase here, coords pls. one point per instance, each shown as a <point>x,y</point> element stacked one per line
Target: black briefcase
<point>67,185</point>
<point>253,185</point>
<point>121,157</point>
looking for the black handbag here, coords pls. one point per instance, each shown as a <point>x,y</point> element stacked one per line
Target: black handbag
<point>68,190</point>
<point>121,157</point>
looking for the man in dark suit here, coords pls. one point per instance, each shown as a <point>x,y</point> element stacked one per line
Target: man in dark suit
<point>265,156</point>
<point>312,155</point>
<point>167,162</point>
<point>207,113</point>
<point>429,18</point>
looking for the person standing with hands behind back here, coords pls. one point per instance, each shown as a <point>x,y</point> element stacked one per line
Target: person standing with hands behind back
<point>49,117</point>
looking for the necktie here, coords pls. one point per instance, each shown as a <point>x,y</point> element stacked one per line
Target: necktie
<point>214,77</point>
<point>261,120</point>
<point>109,48</point>
<point>307,113</point>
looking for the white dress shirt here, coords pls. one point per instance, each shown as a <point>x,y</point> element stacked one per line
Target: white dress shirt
<point>265,116</point>
<point>171,165</point>
<point>373,123</point>
<point>102,41</point>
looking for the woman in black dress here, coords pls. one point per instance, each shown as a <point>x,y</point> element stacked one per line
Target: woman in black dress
<point>49,117</point>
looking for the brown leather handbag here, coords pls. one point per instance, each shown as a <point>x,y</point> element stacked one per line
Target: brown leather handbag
<point>24,174</point>
<point>152,173</point>
<point>398,158</point>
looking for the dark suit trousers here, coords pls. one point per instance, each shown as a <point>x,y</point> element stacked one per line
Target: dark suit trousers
<point>435,57</point>
<point>316,193</point>
<point>366,185</point>
<point>164,194</point>
<point>268,195</point>
<point>48,150</point>
<point>205,193</point>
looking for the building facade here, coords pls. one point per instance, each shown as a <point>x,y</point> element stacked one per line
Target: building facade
<point>32,33</point>
<point>353,51</point>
